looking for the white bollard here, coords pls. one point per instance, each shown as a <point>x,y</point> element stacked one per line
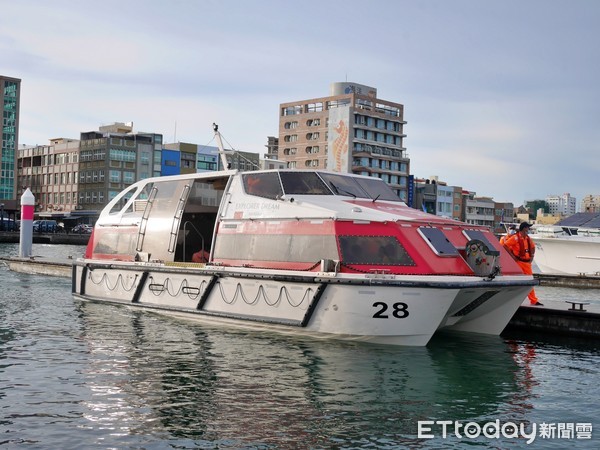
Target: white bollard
<point>26,237</point>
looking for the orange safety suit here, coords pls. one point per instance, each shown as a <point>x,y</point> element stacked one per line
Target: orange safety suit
<point>200,256</point>
<point>522,248</point>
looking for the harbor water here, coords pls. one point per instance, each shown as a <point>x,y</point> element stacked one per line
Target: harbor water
<point>79,375</point>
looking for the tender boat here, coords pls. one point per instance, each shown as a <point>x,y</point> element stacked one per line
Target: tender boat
<point>320,253</point>
<point>567,250</point>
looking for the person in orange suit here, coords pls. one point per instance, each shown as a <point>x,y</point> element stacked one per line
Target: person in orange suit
<point>522,249</point>
<point>200,256</point>
<point>511,230</point>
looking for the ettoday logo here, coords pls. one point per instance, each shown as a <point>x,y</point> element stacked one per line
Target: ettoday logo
<point>508,430</point>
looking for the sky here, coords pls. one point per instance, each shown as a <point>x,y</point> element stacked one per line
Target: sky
<point>501,98</point>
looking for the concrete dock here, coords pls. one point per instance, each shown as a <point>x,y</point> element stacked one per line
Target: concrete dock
<point>564,280</point>
<point>13,237</point>
<point>39,266</point>
<point>571,318</point>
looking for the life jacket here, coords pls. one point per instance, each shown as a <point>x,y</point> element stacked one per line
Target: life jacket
<point>525,254</point>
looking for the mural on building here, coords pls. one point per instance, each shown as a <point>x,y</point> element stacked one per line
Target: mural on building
<point>337,157</point>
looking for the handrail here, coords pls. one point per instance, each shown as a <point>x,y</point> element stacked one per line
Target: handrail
<point>185,224</point>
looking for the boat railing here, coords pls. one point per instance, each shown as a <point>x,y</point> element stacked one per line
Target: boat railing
<point>185,225</point>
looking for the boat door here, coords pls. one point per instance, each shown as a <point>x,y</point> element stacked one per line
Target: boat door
<point>161,218</point>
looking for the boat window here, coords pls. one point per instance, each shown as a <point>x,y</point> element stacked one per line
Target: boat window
<point>116,243</point>
<point>381,250</point>
<point>122,199</point>
<point>341,185</point>
<point>377,189</point>
<point>438,241</point>
<point>262,184</point>
<point>277,247</point>
<point>303,183</point>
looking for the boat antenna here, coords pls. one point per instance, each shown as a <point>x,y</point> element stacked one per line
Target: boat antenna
<point>226,164</point>
<point>223,152</point>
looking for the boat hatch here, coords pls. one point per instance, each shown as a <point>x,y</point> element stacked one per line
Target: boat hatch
<point>437,240</point>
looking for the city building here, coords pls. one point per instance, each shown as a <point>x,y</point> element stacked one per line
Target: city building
<point>590,204</point>
<point>350,131</point>
<point>10,88</point>
<point>272,147</point>
<point>562,205</point>
<point>112,159</point>
<point>170,162</point>
<point>51,173</point>
<point>480,211</point>
<point>436,197</point>
<point>458,210</point>
<point>504,212</point>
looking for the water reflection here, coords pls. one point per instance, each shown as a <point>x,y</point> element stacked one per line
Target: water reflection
<point>153,375</point>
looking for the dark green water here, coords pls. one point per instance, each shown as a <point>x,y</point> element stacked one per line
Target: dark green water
<point>83,375</point>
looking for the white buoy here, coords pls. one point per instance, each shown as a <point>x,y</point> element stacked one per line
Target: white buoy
<point>26,237</point>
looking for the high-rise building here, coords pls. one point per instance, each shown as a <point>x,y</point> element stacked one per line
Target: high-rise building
<point>562,205</point>
<point>350,131</point>
<point>10,88</point>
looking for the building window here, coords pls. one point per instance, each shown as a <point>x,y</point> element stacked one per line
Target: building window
<point>291,110</point>
<point>114,176</point>
<point>290,138</point>
<point>128,177</point>
<point>290,125</point>
<point>314,107</point>
<point>337,103</point>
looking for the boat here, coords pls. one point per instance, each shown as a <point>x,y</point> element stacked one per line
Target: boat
<point>317,253</point>
<point>570,250</point>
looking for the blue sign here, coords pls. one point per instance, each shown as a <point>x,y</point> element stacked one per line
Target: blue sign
<point>411,190</point>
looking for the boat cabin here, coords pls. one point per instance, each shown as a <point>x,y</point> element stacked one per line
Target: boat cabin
<point>282,219</point>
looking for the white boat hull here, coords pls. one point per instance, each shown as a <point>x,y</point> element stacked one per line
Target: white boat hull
<point>573,255</point>
<point>387,309</point>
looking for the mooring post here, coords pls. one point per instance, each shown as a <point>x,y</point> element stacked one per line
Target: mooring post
<point>26,236</point>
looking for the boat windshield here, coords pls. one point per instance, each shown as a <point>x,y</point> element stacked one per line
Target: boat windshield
<point>373,188</point>
<point>262,184</point>
<point>303,183</point>
<point>274,184</point>
<point>377,189</point>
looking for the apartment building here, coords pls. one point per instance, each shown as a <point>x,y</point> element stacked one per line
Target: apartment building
<point>590,203</point>
<point>349,131</point>
<point>480,211</point>
<point>51,173</point>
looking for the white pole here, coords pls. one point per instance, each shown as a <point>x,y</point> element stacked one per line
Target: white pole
<point>26,237</point>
